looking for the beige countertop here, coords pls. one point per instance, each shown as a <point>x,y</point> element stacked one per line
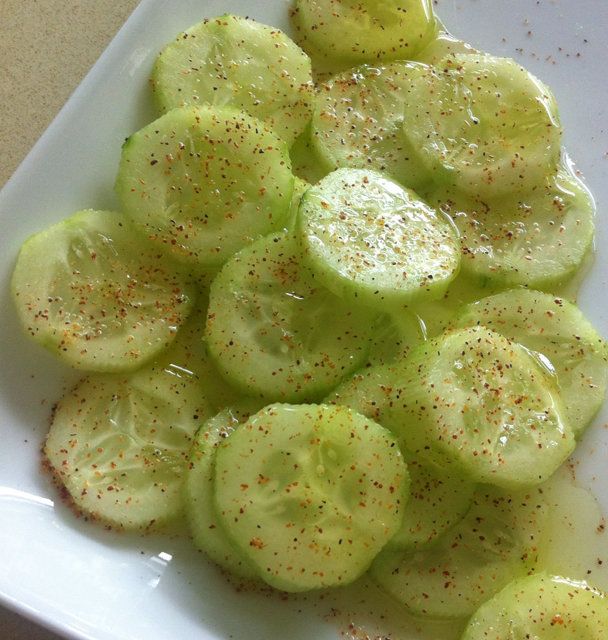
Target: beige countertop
<point>46,48</point>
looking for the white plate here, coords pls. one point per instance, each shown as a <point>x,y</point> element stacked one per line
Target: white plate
<point>87,583</point>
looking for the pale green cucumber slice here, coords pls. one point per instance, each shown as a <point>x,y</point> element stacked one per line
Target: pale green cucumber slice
<point>539,239</point>
<point>305,160</point>
<point>542,607</point>
<point>370,240</point>
<point>443,46</point>
<point>366,30</point>
<point>494,543</point>
<point>205,182</point>
<point>208,532</point>
<point>189,356</point>
<point>97,295</point>
<point>324,66</point>
<point>275,332</point>
<point>238,62</point>
<point>300,187</point>
<point>486,123</point>
<point>438,498</point>
<point>120,444</point>
<point>395,335</point>
<point>564,339</point>
<point>475,400</point>
<point>368,392</point>
<point>359,121</point>
<point>310,493</point>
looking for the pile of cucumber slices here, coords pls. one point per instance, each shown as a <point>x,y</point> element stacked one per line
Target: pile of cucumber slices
<point>330,323</point>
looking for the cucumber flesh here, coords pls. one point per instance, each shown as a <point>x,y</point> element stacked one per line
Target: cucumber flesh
<point>494,543</point>
<point>301,492</point>
<point>120,444</point>
<point>395,335</point>
<point>545,607</point>
<point>473,400</point>
<point>374,29</point>
<point>305,161</point>
<point>203,182</point>
<point>97,295</point>
<point>359,122</point>
<point>208,532</point>
<point>538,240</point>
<point>485,123</point>
<point>556,330</point>
<point>370,240</point>
<point>189,356</point>
<point>238,62</point>
<point>300,187</point>
<point>443,46</point>
<point>438,498</point>
<point>275,332</point>
<point>368,392</point>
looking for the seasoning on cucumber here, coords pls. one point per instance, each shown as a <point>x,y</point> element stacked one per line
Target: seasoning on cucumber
<point>203,182</point>
<point>231,61</point>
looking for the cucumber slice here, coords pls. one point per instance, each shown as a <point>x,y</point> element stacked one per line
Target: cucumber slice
<point>189,356</point>
<point>97,295</point>
<point>438,498</point>
<point>323,65</point>
<point>367,30</point>
<point>369,239</point>
<point>475,400</point>
<point>204,182</point>
<point>359,122</point>
<point>275,332</point>
<point>368,392</point>
<point>396,334</point>
<point>310,493</point>
<point>441,47</point>
<point>120,444</point>
<point>537,240</point>
<point>558,331</point>
<point>300,187</point>
<point>544,607</point>
<point>208,532</point>
<point>493,544</point>
<point>238,62</point>
<point>489,125</point>
<point>305,161</point>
